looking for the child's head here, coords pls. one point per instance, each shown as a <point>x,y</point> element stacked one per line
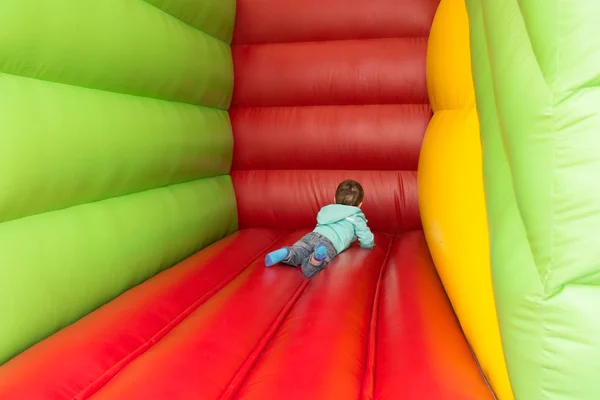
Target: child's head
<point>349,193</point>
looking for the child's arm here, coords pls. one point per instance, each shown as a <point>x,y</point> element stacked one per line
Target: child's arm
<point>364,234</point>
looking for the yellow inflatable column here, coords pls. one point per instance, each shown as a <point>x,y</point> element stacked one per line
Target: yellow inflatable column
<point>451,197</point>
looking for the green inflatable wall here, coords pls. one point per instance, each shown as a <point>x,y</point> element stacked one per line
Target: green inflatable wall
<point>536,69</point>
<point>115,149</point>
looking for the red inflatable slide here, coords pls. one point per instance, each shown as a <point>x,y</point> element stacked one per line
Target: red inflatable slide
<point>322,94</point>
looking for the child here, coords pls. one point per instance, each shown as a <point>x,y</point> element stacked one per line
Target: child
<point>338,225</point>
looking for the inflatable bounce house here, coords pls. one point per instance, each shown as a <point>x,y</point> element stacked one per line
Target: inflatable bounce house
<point>153,151</point>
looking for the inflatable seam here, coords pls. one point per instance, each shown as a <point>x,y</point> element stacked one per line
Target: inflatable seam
<point>188,24</point>
<point>327,105</point>
<point>99,382</point>
<point>368,382</point>
<point>130,95</point>
<point>244,371</point>
<point>545,332</point>
<point>100,200</point>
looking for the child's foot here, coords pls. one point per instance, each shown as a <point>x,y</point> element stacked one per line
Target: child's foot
<point>276,256</point>
<point>319,255</point>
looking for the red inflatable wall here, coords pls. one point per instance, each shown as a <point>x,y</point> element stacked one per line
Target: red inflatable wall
<point>323,94</point>
<point>325,91</point>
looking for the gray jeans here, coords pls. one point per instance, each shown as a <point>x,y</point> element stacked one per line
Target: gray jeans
<point>301,253</point>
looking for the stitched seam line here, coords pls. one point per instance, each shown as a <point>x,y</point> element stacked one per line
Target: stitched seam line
<point>410,37</point>
<point>368,382</point>
<point>487,383</point>
<point>99,382</point>
<point>189,24</point>
<point>244,371</point>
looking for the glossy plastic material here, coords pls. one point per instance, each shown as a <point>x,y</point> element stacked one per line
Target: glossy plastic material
<point>268,21</point>
<point>378,71</point>
<point>89,254</point>
<point>89,156</point>
<point>84,356</point>
<point>373,325</point>
<point>139,49</point>
<point>414,313</point>
<point>221,326</point>
<point>112,167</point>
<point>214,17</point>
<point>536,67</point>
<point>335,136</point>
<point>390,202</point>
<point>300,119</point>
<point>451,199</point>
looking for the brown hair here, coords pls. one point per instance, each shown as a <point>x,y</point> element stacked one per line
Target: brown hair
<point>349,193</point>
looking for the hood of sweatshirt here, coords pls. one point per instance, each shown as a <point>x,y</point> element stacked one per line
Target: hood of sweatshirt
<point>336,212</point>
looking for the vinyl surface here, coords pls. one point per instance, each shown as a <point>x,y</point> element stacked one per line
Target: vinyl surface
<point>319,92</point>
<point>220,325</point>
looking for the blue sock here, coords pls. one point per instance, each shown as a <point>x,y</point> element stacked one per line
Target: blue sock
<point>276,256</point>
<point>320,252</point>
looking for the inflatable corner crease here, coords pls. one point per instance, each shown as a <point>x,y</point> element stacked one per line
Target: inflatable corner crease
<point>451,197</point>
<point>536,73</point>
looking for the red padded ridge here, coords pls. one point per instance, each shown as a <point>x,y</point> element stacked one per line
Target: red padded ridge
<point>114,370</point>
<point>202,354</point>
<point>421,350</point>
<point>368,137</point>
<point>368,380</point>
<point>67,362</point>
<point>291,199</point>
<point>353,72</point>
<point>269,21</point>
<point>245,369</point>
<point>319,352</point>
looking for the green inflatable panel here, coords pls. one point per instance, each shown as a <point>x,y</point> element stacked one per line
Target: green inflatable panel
<point>106,145</point>
<point>58,266</point>
<point>215,17</point>
<point>114,149</point>
<point>126,46</point>
<point>536,67</point>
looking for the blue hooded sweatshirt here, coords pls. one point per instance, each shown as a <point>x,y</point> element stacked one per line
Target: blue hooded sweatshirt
<point>343,225</point>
